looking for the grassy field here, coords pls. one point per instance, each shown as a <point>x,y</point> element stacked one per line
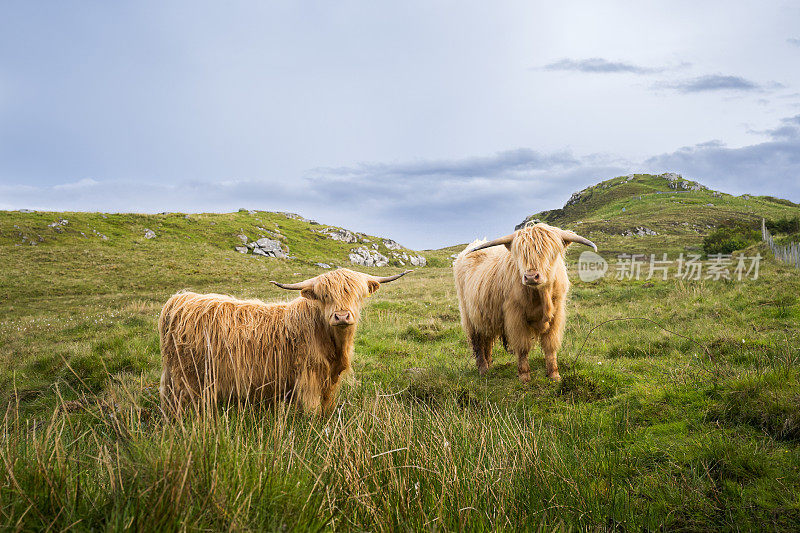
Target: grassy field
<point>691,423</point>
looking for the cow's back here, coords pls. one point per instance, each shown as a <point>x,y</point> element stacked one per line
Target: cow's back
<point>225,346</point>
<point>482,285</point>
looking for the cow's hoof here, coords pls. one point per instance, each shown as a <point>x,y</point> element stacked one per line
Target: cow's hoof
<point>555,376</point>
<point>526,377</point>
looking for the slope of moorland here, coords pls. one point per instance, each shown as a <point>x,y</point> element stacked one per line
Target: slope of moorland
<point>678,407</point>
<point>664,211</point>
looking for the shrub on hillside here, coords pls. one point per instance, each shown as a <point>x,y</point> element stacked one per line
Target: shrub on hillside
<point>785,225</point>
<point>729,238</point>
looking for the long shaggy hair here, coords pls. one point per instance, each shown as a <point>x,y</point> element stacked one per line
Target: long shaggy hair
<point>217,347</point>
<point>494,302</point>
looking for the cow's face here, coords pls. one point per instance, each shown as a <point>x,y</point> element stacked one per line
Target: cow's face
<point>537,250</point>
<point>340,294</point>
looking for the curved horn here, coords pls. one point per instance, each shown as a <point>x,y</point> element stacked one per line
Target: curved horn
<point>497,242</point>
<point>387,279</point>
<point>299,286</point>
<point>570,236</point>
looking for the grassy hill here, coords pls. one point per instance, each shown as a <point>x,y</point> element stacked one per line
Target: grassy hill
<point>671,213</point>
<point>305,241</point>
<point>678,407</point>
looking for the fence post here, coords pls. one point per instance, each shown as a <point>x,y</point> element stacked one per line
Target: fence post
<point>788,254</point>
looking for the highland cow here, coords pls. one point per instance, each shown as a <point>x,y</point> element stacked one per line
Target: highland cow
<point>515,288</point>
<point>218,348</point>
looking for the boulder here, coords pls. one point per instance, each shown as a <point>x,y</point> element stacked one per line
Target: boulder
<point>241,249</point>
<point>365,257</point>
<point>149,234</point>
<point>391,245</point>
<point>59,224</point>
<point>339,234</point>
<point>323,265</point>
<point>295,216</point>
<point>418,260</point>
<point>267,248</point>
<point>404,257</point>
<point>639,231</point>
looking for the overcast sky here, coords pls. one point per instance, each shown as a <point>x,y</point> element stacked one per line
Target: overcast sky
<point>431,122</point>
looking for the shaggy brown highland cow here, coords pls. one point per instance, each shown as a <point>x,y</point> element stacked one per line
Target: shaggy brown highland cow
<point>218,348</point>
<point>515,288</point>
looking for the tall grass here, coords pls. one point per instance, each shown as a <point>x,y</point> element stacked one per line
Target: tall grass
<point>380,461</point>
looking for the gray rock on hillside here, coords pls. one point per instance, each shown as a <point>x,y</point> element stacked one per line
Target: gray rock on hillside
<point>392,245</point>
<point>678,182</point>
<point>639,231</point>
<point>365,257</point>
<point>295,216</point>
<point>267,248</point>
<point>149,234</point>
<point>339,234</point>
<point>59,224</point>
<point>404,257</point>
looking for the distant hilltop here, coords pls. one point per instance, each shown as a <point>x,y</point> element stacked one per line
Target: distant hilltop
<point>664,204</point>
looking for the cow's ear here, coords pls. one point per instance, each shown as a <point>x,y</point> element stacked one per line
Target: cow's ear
<point>373,286</point>
<point>308,293</point>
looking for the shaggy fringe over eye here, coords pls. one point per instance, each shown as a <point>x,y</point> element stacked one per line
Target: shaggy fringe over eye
<point>538,245</point>
<point>344,287</point>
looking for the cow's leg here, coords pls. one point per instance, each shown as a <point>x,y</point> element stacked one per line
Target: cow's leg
<point>481,349</point>
<point>519,338</point>
<point>551,341</point>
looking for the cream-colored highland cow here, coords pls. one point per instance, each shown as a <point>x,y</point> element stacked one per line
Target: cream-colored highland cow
<point>515,288</point>
<point>218,348</point>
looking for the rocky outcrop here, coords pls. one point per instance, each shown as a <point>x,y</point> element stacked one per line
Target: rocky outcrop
<point>639,231</point>
<point>576,197</point>
<point>392,245</point>
<point>677,182</point>
<point>149,234</point>
<point>339,234</point>
<point>526,222</point>
<point>267,248</point>
<point>295,216</point>
<point>365,257</point>
<point>414,259</point>
<point>59,224</point>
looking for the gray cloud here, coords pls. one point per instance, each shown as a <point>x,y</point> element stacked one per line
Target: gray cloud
<point>770,168</point>
<point>715,82</point>
<point>598,65</point>
<point>423,204</point>
<point>433,203</point>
